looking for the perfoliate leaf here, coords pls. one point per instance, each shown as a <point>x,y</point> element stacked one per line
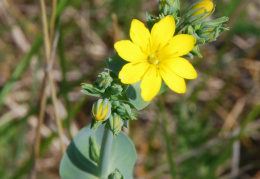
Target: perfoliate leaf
<point>115,63</point>
<point>134,95</point>
<point>77,163</point>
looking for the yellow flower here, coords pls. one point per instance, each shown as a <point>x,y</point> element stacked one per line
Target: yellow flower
<point>207,6</point>
<point>155,56</point>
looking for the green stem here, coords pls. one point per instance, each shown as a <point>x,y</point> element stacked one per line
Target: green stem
<point>103,163</point>
<point>167,140</point>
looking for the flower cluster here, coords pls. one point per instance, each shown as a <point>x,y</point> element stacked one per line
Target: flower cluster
<point>109,110</point>
<point>154,57</point>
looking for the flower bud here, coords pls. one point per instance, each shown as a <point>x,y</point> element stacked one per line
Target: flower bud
<point>114,90</point>
<point>115,123</point>
<point>210,33</point>
<point>199,11</point>
<point>125,111</point>
<point>104,80</point>
<point>115,104</point>
<point>115,175</point>
<point>101,110</point>
<point>94,149</point>
<point>169,7</point>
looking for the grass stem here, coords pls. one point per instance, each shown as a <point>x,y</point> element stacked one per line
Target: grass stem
<point>49,73</point>
<point>167,138</point>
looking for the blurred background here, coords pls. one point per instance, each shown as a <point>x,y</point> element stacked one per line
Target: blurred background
<point>211,131</point>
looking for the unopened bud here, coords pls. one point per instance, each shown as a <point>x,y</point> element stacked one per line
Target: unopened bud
<point>115,123</point>
<point>104,80</point>
<point>210,33</point>
<point>199,11</point>
<point>114,90</point>
<point>169,7</point>
<point>101,110</point>
<point>125,111</point>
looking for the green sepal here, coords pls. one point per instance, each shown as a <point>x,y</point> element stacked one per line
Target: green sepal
<point>215,22</point>
<point>191,31</point>
<point>115,123</point>
<point>95,124</point>
<point>150,20</point>
<point>195,52</point>
<point>90,90</point>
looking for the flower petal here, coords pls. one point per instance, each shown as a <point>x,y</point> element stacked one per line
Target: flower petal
<point>129,51</point>
<point>162,32</point>
<point>140,35</point>
<point>180,66</point>
<point>179,45</point>
<point>151,84</point>
<point>174,82</point>
<point>133,72</point>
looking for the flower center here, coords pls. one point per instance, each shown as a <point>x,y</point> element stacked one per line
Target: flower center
<point>153,59</point>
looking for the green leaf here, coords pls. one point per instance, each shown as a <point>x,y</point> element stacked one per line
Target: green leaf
<point>115,63</point>
<point>76,162</point>
<point>134,95</point>
<point>164,87</point>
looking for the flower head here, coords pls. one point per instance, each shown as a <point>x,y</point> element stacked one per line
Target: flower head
<point>156,56</point>
<point>115,123</point>
<point>101,110</point>
<point>169,7</point>
<point>204,6</point>
<point>104,80</point>
<point>199,11</point>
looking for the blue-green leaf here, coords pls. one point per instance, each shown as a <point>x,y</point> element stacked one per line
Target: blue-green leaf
<point>134,95</point>
<point>115,63</point>
<point>76,162</point>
